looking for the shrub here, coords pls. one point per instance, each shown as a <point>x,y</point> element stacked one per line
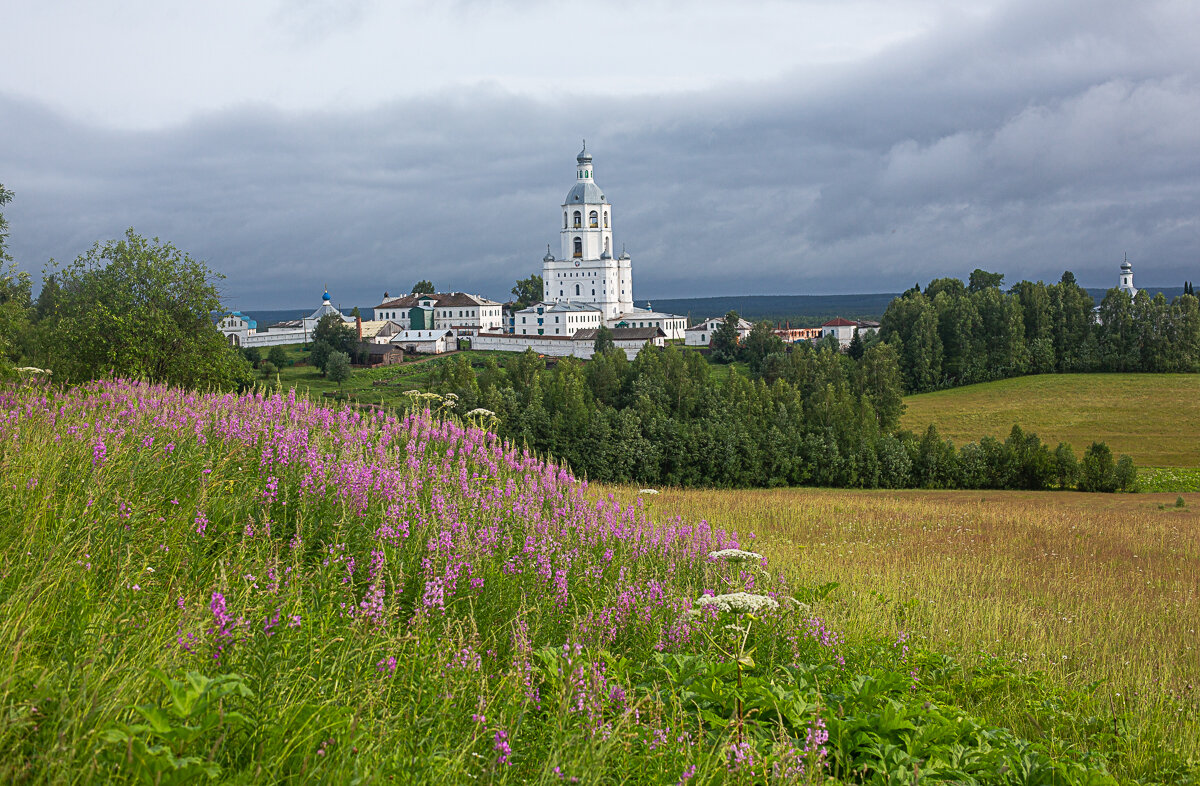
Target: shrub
<point>278,356</point>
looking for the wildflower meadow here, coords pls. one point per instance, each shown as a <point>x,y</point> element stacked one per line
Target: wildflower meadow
<point>259,588</point>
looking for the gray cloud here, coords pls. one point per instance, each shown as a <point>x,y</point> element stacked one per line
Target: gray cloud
<point>1029,140</point>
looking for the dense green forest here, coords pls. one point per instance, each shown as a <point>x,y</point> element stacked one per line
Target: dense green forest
<point>827,419</point>
<point>954,334</point>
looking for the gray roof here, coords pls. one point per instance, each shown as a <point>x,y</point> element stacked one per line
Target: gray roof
<point>558,307</point>
<point>584,193</point>
<point>644,313</point>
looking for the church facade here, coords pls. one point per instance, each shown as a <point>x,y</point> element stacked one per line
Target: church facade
<point>586,284</point>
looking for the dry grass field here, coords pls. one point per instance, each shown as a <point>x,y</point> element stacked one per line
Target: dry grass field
<point>1081,588</point>
<point>1151,417</point>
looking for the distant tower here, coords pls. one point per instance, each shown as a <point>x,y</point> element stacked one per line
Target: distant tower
<point>1126,285</point>
<point>586,271</point>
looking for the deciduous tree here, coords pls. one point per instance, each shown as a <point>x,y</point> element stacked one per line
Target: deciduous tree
<point>141,308</point>
<point>527,291</point>
<point>725,339</point>
<point>337,367</point>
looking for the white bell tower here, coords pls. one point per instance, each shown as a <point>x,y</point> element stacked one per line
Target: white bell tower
<point>1126,285</point>
<point>586,270</point>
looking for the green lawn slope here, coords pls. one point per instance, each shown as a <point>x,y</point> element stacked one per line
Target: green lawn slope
<point>1154,418</point>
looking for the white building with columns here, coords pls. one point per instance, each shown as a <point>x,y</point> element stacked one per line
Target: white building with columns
<point>586,272</point>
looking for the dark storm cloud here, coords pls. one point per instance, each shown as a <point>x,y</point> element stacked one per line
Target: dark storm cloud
<point>1031,141</point>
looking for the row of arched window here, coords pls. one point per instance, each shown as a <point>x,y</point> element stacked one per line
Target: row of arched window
<point>593,220</point>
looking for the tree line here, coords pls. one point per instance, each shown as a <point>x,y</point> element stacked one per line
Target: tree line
<point>955,334</point>
<point>826,419</point>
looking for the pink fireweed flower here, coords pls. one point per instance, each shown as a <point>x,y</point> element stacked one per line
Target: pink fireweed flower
<point>739,756</point>
<point>501,746</point>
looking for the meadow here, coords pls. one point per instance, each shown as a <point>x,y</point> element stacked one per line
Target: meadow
<point>262,588</point>
<point>1088,602</point>
<point>383,385</point>
<point>1150,417</point>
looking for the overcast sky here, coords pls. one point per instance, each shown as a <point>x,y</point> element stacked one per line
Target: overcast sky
<point>750,147</point>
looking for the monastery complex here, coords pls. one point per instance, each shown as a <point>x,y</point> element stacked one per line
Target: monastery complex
<point>586,286</point>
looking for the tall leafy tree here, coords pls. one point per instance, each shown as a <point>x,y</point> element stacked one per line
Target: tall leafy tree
<point>1184,326</point>
<point>604,341</point>
<point>141,308</point>
<point>337,367</point>
<point>15,296</point>
<point>760,342</point>
<point>335,332</point>
<point>1003,332</point>
<point>1117,333</point>
<point>423,287</point>
<point>527,291</point>
<point>1151,316</point>
<point>883,385</point>
<point>913,319</point>
<point>982,279</point>
<point>5,197</point>
<point>1071,324</point>
<point>725,339</point>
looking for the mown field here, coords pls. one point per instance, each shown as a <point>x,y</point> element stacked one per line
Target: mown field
<point>1153,418</point>
<point>1092,600</point>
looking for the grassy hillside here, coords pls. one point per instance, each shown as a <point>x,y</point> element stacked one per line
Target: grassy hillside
<point>1092,599</point>
<point>1151,417</point>
<point>261,589</point>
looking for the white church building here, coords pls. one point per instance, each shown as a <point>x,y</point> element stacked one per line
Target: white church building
<point>241,331</point>
<point>586,284</point>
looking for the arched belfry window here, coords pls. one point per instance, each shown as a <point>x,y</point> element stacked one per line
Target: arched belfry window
<point>578,247</point>
<point>564,219</point>
<point>592,219</point>
<point>576,289</point>
<point>578,219</point>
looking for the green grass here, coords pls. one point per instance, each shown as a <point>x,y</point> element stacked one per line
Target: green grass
<point>258,589</point>
<point>383,385</point>
<point>1088,603</point>
<point>1153,418</point>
